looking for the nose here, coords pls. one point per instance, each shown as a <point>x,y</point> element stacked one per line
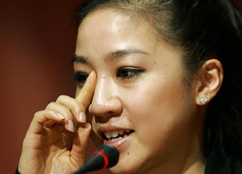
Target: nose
<point>106,101</point>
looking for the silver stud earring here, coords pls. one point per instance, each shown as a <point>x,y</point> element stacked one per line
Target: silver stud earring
<point>203,100</point>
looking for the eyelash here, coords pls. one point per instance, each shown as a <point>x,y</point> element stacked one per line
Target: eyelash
<point>123,73</point>
<point>129,72</point>
<point>80,77</point>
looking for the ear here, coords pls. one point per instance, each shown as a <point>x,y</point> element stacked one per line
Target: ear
<point>209,82</point>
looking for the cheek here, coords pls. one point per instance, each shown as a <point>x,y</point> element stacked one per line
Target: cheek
<point>160,108</point>
<point>161,121</point>
<point>153,99</point>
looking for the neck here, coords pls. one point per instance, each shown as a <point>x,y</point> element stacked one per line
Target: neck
<point>196,168</point>
<point>186,167</point>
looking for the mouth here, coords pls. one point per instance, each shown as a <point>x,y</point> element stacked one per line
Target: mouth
<point>112,136</point>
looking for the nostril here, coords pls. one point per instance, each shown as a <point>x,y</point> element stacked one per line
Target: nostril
<point>105,105</point>
<point>112,114</point>
<point>107,114</point>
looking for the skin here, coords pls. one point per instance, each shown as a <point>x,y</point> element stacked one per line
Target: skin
<point>51,145</point>
<point>167,137</point>
<point>136,82</point>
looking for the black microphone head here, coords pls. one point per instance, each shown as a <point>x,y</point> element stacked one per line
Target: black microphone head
<point>105,156</point>
<point>111,153</point>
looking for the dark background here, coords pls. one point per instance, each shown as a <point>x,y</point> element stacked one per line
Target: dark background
<point>37,41</point>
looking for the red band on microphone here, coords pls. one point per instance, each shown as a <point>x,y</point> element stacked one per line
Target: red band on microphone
<point>104,157</point>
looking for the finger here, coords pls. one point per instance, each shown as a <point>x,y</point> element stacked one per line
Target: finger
<point>96,139</point>
<point>63,111</point>
<point>58,108</point>
<point>80,145</point>
<point>77,109</point>
<point>94,135</point>
<point>49,123</point>
<point>86,93</point>
<point>42,117</point>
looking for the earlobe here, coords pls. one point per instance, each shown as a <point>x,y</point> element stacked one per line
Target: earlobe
<point>210,81</point>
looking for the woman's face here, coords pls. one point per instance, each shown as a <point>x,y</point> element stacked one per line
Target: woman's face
<point>140,103</point>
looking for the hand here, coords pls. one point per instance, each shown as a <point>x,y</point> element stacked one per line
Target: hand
<point>57,139</point>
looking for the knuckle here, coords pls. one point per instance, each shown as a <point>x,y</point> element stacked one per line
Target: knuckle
<point>67,114</point>
<point>50,105</point>
<point>38,114</point>
<point>62,97</point>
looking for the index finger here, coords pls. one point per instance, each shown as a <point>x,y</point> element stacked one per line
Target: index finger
<point>86,93</point>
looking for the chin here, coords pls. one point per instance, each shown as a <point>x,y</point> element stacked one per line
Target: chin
<point>125,168</point>
<point>116,170</point>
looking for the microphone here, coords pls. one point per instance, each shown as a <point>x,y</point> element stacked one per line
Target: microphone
<point>104,157</point>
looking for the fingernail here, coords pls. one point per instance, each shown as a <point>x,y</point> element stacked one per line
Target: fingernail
<point>70,126</point>
<point>59,116</point>
<point>82,117</point>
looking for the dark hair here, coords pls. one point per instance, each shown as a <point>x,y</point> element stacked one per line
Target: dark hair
<point>200,28</point>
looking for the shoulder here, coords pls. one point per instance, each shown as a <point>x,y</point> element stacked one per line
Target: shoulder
<point>220,163</point>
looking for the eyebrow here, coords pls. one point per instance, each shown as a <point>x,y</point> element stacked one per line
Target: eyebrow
<point>111,56</point>
<point>79,59</point>
<point>126,52</point>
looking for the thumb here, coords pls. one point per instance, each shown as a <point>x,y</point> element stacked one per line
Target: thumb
<point>80,145</point>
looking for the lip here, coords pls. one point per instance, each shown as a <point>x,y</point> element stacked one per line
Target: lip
<point>119,144</point>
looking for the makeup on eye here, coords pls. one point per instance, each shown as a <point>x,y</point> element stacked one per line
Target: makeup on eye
<point>129,72</point>
<point>126,72</point>
<point>80,77</point>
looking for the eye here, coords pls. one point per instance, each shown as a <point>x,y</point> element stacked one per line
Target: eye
<point>129,72</point>
<point>80,77</point>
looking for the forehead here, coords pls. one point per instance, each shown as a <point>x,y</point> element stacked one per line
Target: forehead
<point>105,21</point>
<point>107,33</point>
<point>107,28</point>
<point>109,16</point>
